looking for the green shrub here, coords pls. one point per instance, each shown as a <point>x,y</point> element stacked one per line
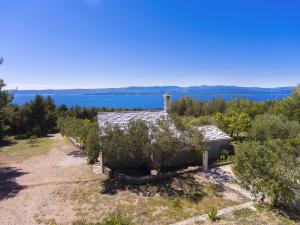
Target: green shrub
<point>191,121</point>
<point>165,144</point>
<point>213,214</point>
<point>75,128</point>
<point>196,194</point>
<point>269,126</point>
<point>36,117</point>
<point>224,155</point>
<point>93,143</point>
<point>270,169</point>
<point>169,143</point>
<point>233,122</point>
<point>32,140</point>
<point>187,122</point>
<point>123,149</point>
<point>149,146</point>
<point>292,105</point>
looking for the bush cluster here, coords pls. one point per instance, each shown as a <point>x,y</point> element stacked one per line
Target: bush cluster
<point>75,128</point>
<point>270,126</point>
<point>270,169</point>
<point>140,145</point>
<point>159,146</point>
<point>268,163</point>
<point>36,117</point>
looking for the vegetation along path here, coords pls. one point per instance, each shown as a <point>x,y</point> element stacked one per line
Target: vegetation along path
<point>28,187</point>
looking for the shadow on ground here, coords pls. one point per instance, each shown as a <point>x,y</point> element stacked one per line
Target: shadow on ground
<point>77,153</point>
<point>219,175</point>
<point>9,187</point>
<point>185,186</point>
<point>4,143</point>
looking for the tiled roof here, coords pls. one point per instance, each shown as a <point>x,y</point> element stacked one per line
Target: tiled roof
<point>213,133</point>
<point>122,119</point>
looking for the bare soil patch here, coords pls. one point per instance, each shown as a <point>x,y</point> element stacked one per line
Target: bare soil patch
<point>29,186</point>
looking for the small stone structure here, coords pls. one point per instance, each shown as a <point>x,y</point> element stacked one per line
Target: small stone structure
<point>214,138</point>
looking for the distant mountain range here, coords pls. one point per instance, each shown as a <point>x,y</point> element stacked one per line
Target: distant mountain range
<point>154,90</point>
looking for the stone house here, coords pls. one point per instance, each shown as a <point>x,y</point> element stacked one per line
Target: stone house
<point>214,138</point>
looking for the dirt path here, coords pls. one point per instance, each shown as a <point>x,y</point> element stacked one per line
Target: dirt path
<point>29,190</point>
<point>223,175</point>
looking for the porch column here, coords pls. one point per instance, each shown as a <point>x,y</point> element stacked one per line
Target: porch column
<point>100,159</point>
<point>205,161</point>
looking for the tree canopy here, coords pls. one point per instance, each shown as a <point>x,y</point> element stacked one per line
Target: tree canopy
<point>5,99</point>
<point>233,122</point>
<point>36,117</point>
<point>269,169</point>
<point>270,126</point>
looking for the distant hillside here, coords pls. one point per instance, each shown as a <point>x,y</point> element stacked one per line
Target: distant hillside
<point>203,90</point>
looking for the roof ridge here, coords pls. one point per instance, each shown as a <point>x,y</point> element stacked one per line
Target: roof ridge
<point>132,111</point>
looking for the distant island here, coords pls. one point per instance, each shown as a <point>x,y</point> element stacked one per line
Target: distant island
<point>149,97</point>
<point>153,90</point>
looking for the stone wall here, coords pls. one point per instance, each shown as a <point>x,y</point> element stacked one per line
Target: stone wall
<point>124,179</point>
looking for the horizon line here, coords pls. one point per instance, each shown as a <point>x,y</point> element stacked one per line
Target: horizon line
<point>151,86</point>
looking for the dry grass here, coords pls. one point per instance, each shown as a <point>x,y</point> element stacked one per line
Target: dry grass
<point>92,204</point>
<point>13,151</point>
<point>261,216</point>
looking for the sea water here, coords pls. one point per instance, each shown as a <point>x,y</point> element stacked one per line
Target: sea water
<point>154,101</point>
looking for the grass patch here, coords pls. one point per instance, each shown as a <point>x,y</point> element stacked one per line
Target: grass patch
<point>12,150</point>
<point>115,218</point>
<point>243,213</point>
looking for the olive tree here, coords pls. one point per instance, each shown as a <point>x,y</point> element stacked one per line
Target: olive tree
<point>93,143</point>
<point>268,169</point>
<point>152,146</point>
<point>269,126</point>
<point>233,122</point>
<point>169,143</point>
<point>292,104</point>
<point>126,148</point>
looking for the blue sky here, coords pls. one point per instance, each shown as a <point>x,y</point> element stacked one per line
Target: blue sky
<point>114,43</point>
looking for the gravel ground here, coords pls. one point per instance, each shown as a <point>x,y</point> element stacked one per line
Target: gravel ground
<point>27,189</point>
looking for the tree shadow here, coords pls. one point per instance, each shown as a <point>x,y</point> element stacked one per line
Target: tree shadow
<point>219,175</point>
<point>4,143</point>
<point>8,184</point>
<point>184,186</point>
<point>292,214</point>
<point>77,153</point>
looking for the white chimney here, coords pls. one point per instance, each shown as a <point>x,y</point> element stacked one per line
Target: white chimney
<point>168,103</point>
